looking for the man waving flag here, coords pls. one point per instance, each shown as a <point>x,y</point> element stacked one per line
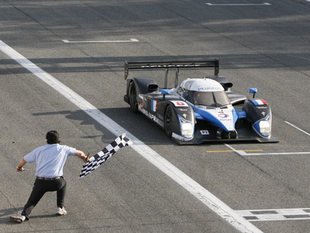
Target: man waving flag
<point>103,155</point>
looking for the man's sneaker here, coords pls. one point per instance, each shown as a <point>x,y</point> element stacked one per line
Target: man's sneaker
<point>18,218</point>
<point>61,211</point>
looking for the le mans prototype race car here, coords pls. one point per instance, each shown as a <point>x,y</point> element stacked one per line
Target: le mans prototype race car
<point>198,110</point>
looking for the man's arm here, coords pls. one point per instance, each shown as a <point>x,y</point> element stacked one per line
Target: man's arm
<point>20,165</point>
<point>82,155</point>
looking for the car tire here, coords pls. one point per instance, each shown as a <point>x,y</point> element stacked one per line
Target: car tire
<point>133,97</point>
<point>168,123</point>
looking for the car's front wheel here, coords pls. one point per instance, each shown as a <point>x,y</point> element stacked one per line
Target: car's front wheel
<point>168,124</point>
<point>133,97</point>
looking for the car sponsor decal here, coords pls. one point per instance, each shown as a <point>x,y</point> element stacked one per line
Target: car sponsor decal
<point>179,103</point>
<point>209,89</point>
<point>152,117</point>
<point>222,115</point>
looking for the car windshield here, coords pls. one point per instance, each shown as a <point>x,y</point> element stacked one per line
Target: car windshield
<point>209,99</point>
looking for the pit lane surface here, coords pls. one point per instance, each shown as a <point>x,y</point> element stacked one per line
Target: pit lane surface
<point>262,46</point>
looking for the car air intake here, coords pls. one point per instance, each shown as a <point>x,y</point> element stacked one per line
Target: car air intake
<point>152,87</point>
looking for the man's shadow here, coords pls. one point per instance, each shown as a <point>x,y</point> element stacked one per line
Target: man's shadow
<point>6,213</point>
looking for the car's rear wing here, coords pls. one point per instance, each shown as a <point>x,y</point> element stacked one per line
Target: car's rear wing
<point>168,65</point>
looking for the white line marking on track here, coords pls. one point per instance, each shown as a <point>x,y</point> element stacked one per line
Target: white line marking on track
<point>275,214</point>
<point>132,40</point>
<point>243,153</point>
<point>229,151</point>
<point>277,153</point>
<point>301,130</point>
<point>206,197</point>
<point>238,4</point>
<point>239,152</point>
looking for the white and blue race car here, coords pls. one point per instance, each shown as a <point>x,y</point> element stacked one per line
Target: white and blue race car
<point>198,110</point>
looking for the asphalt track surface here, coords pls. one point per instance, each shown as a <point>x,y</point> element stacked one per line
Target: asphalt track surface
<point>261,45</point>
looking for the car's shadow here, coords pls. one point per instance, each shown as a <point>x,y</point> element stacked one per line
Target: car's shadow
<point>135,123</point>
<point>139,125</point>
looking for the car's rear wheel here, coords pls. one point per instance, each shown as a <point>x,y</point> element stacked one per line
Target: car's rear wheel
<point>169,116</point>
<point>133,97</point>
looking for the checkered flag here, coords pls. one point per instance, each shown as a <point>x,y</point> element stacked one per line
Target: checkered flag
<point>102,156</point>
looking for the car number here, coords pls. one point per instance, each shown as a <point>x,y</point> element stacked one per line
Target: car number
<point>204,132</point>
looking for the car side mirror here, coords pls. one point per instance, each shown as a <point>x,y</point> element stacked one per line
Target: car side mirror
<point>164,91</point>
<point>227,85</point>
<point>253,90</point>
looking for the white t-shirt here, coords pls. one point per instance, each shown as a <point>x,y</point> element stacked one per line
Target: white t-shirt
<point>50,159</point>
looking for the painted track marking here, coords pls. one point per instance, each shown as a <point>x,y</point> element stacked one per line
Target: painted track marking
<point>229,151</point>
<point>238,4</point>
<point>202,194</point>
<point>275,214</point>
<point>132,40</point>
<point>276,153</point>
<point>301,130</point>
<point>244,153</point>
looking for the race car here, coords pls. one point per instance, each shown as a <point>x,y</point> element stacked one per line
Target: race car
<point>198,110</point>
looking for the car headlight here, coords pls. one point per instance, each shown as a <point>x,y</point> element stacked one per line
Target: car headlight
<point>265,128</point>
<point>186,129</point>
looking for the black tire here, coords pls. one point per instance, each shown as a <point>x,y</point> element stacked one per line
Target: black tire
<point>169,118</point>
<point>133,97</point>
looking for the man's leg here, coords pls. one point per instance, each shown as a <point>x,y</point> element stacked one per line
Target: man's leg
<point>61,192</point>
<point>37,193</point>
